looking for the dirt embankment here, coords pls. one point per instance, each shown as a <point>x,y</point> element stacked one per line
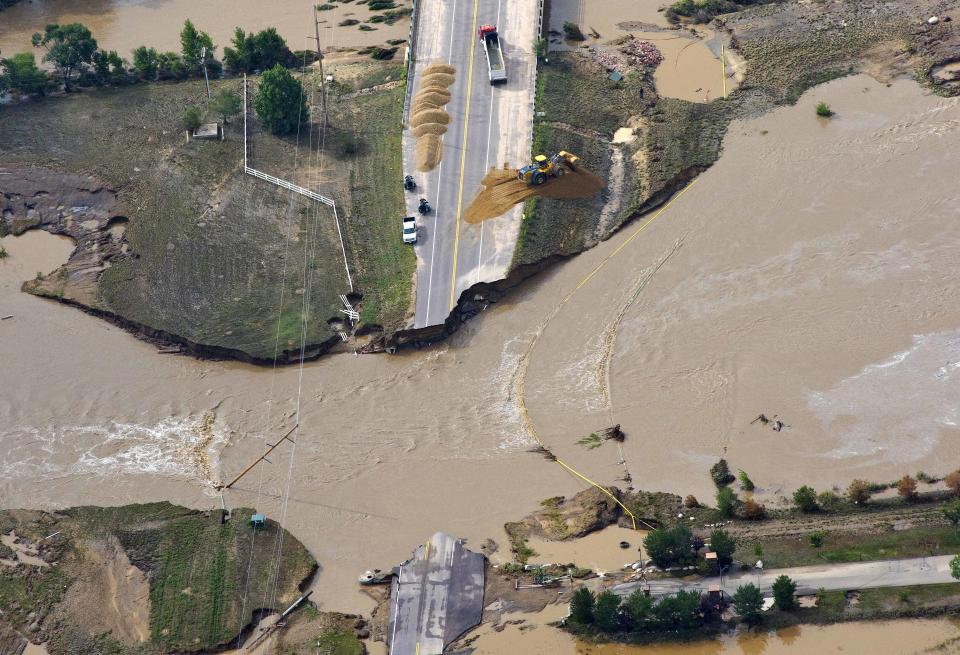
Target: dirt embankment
<point>78,206</point>
<point>502,190</point>
<point>428,120</point>
<point>156,576</point>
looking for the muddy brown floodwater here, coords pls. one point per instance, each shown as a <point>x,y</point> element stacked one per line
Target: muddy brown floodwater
<point>693,66</point>
<point>810,273</point>
<point>124,25</point>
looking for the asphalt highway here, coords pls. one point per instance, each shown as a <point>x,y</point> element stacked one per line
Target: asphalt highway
<point>490,126</point>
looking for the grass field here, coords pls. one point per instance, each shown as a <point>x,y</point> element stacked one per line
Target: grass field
<point>197,568</point>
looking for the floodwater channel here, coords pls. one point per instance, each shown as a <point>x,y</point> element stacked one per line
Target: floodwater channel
<point>808,274</point>
<point>124,25</point>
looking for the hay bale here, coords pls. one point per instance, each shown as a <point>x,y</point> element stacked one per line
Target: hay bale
<point>430,116</point>
<point>439,67</point>
<point>429,151</point>
<point>429,128</point>
<point>431,97</point>
<point>436,79</point>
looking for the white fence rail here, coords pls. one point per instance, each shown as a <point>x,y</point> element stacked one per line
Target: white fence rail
<point>313,195</point>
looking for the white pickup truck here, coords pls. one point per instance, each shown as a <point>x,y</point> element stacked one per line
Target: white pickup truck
<point>410,229</point>
<point>491,46</point>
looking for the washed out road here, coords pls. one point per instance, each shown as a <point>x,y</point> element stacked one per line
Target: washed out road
<point>489,126</point>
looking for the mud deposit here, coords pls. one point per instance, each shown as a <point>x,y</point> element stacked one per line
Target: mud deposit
<point>502,190</point>
<point>428,120</point>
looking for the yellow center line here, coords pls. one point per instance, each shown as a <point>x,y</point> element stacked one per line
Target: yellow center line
<point>463,157</point>
<point>418,648</point>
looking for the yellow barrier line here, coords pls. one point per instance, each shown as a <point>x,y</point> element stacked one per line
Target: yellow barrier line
<point>632,237</point>
<point>723,67</point>
<point>426,551</point>
<point>463,157</point>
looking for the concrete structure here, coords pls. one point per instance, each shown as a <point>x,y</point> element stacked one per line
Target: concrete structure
<point>856,575</point>
<point>490,126</point>
<point>436,596</point>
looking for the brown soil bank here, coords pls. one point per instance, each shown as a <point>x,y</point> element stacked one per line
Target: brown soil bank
<point>158,577</point>
<point>502,190</point>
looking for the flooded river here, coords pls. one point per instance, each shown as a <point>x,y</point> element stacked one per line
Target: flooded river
<point>808,274</point>
<point>123,25</point>
<point>906,637</point>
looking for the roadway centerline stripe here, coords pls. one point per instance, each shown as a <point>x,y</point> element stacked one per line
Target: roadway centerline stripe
<point>463,156</point>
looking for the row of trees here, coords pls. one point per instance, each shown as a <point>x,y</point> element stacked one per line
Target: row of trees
<point>685,611</point>
<point>77,59</point>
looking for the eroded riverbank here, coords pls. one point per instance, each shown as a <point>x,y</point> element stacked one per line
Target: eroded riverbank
<point>392,449</point>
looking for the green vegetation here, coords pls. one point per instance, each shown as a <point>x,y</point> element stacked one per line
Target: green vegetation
<point>784,590</point>
<point>280,102</point>
<point>823,110</point>
<point>191,119</point>
<point>384,267</point>
<point>745,482</point>
<point>805,498</point>
<point>720,473</point>
<point>726,502</point>
<point>748,601</point>
<point>670,546</point>
<point>339,643</point>
<point>260,51</point>
<point>69,48</point>
<point>196,47</point>
<point>581,606</point>
<point>227,103</point>
<point>19,73</point>
<point>859,492</point>
<point>955,567</point>
<point>723,545</point>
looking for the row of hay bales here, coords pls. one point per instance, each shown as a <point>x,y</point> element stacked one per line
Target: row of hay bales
<point>428,120</point>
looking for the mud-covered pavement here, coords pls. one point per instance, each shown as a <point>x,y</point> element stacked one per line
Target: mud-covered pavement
<point>791,279</point>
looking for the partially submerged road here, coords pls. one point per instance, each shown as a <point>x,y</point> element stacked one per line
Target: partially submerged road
<point>489,126</point>
<point>436,596</point>
<point>855,575</point>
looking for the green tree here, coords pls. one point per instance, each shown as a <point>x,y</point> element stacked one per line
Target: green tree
<point>637,608</point>
<point>816,538</point>
<point>748,601</point>
<point>745,482</point>
<point>952,513</point>
<point>680,612</point>
<point>170,66</point>
<point>269,49</point>
<point>859,492</point>
<point>581,606</point>
<point>606,610</point>
<point>108,66</point>
<point>20,74</point>
<point>192,43</point>
<point>805,498</point>
<point>69,48</point>
<point>783,592</point>
<point>727,501</point>
<point>823,110</point>
<point>723,545</point>
<point>669,546</point>
<point>191,119</point>
<point>145,62</point>
<point>541,48</point>
<point>227,103</point>
<point>955,567</point>
<point>720,473</point>
<point>280,102</point>
<point>236,56</point>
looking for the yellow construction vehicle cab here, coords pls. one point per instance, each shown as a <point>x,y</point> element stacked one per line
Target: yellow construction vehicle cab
<point>544,167</point>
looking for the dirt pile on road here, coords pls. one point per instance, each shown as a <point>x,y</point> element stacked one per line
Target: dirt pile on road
<point>428,120</point>
<point>502,190</point>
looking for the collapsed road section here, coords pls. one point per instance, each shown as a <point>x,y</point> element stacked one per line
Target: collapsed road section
<point>437,595</point>
<point>486,125</point>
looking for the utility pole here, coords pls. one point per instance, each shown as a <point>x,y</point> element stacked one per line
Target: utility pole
<point>262,457</point>
<point>203,56</point>
<point>323,78</point>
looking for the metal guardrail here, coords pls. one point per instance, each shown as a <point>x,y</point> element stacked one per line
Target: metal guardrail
<point>411,60</point>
